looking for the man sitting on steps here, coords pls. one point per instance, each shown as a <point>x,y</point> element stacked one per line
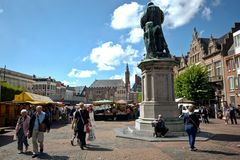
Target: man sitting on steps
<point>159,127</point>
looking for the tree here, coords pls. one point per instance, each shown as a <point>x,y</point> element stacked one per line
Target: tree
<point>193,84</point>
<point>140,97</point>
<point>8,91</point>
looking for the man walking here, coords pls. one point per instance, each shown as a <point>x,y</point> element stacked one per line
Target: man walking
<point>82,117</point>
<point>39,124</point>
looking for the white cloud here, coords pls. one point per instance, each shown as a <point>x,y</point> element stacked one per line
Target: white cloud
<point>127,16</point>
<point>118,76</point>
<point>130,55</point>
<point>109,55</point>
<point>216,3</point>
<point>179,12</point>
<point>201,33</point>
<point>135,35</point>
<point>85,58</point>
<point>75,73</point>
<point>1,10</point>
<point>73,83</point>
<point>206,13</point>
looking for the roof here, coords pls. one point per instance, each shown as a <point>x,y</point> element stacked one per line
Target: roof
<point>80,89</point>
<point>205,42</point>
<point>231,51</point>
<point>70,88</point>
<point>107,83</point>
<point>18,74</point>
<point>27,97</point>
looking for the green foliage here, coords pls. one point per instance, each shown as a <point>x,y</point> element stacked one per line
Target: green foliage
<point>139,97</point>
<point>8,91</point>
<point>193,84</point>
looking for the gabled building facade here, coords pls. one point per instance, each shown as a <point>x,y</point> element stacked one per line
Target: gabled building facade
<point>211,52</point>
<point>232,70</point>
<point>113,89</point>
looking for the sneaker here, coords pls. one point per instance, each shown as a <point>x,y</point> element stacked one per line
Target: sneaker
<point>34,155</point>
<point>41,150</point>
<point>20,152</point>
<point>193,149</point>
<point>72,142</point>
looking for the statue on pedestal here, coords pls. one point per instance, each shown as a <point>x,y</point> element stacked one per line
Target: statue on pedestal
<point>154,40</point>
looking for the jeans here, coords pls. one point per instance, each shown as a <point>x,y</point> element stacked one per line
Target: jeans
<point>233,117</point>
<point>192,132</point>
<point>22,139</point>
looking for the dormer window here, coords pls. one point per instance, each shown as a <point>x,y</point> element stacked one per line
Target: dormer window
<point>210,49</point>
<point>237,41</point>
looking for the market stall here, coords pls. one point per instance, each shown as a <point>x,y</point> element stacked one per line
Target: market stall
<point>103,109</point>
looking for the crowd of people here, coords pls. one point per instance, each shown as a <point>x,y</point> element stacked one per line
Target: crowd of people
<point>192,121</point>
<point>33,123</point>
<point>229,112</point>
<point>32,127</point>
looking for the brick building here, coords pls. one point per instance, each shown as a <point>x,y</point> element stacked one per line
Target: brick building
<point>210,52</point>
<point>232,70</point>
<point>113,89</point>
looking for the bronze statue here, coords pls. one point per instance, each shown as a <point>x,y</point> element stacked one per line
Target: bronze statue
<point>154,40</point>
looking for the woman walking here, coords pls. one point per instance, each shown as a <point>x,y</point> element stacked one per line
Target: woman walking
<point>191,123</point>
<point>226,112</point>
<point>22,130</point>
<point>91,134</point>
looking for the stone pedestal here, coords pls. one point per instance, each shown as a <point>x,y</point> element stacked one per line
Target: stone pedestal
<point>158,95</point>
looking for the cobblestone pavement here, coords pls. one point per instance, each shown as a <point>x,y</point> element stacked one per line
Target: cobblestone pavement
<point>224,145</point>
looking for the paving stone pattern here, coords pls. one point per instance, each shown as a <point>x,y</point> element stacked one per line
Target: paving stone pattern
<point>224,145</point>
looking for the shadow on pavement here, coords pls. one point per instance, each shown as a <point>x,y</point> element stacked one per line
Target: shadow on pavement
<point>47,156</point>
<point>226,137</point>
<point>6,139</point>
<point>59,124</point>
<point>218,152</point>
<point>97,148</point>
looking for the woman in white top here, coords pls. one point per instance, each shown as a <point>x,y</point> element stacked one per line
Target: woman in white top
<point>91,134</point>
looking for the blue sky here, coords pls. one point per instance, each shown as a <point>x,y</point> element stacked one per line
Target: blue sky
<point>78,41</point>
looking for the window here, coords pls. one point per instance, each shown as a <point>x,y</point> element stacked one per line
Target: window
<point>237,62</point>
<point>209,70</point>
<point>232,100</point>
<point>236,82</point>
<point>231,83</point>
<point>232,64</point>
<point>210,49</point>
<point>218,68</point>
<point>237,40</point>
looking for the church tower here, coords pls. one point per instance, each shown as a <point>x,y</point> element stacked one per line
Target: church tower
<point>127,82</point>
